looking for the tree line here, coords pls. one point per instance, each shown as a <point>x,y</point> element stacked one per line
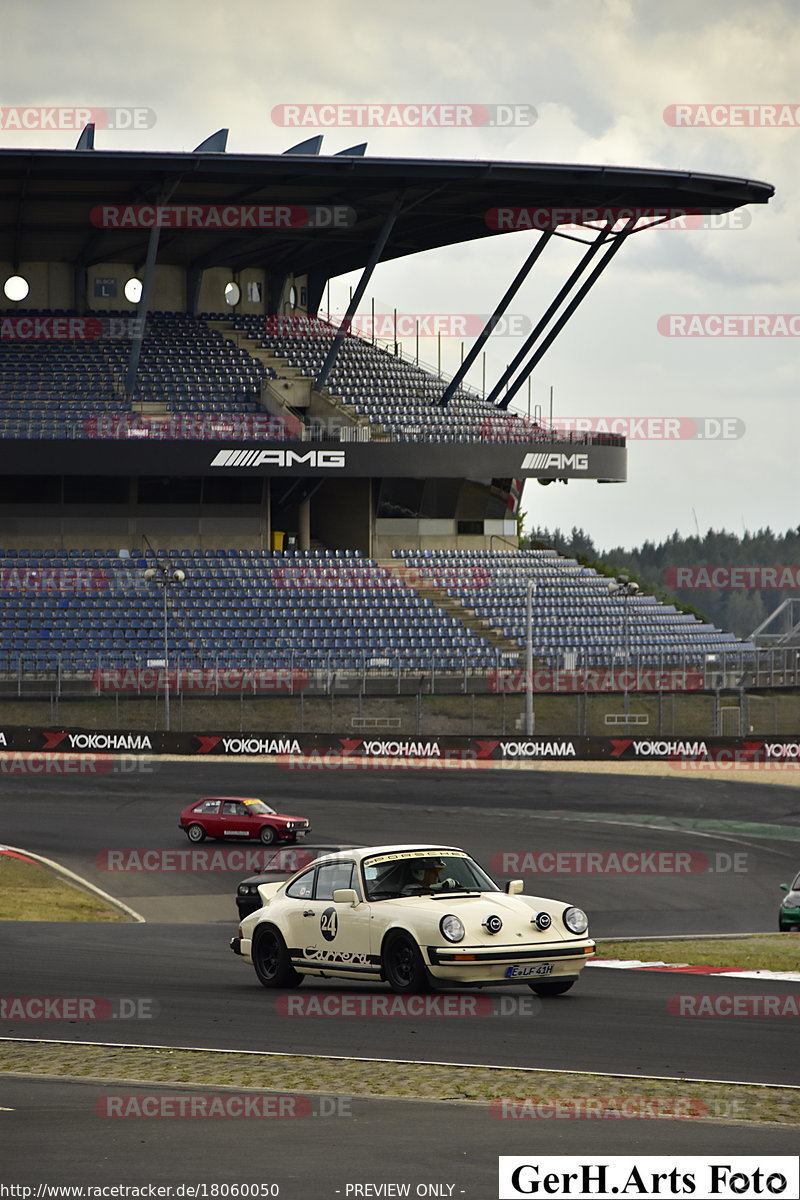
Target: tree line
<point>734,609</point>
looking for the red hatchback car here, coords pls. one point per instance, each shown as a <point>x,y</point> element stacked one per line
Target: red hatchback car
<point>240,817</point>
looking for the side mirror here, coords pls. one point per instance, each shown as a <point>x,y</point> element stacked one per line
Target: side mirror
<point>514,887</point>
<point>784,887</point>
<point>345,896</point>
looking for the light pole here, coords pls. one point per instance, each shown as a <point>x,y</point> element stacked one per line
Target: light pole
<point>529,594</point>
<point>625,587</point>
<point>163,577</point>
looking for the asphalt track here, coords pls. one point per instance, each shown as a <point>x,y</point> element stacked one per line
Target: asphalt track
<point>76,818</point>
<point>200,994</point>
<point>362,1141</point>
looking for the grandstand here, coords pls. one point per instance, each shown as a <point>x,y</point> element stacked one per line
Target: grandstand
<point>332,506</point>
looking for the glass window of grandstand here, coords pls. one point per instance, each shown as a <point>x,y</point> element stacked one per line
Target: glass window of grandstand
<point>220,490</point>
<point>16,288</point>
<point>30,489</point>
<point>95,489</point>
<point>167,489</point>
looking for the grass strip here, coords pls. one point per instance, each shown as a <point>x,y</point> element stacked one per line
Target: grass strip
<point>773,952</point>
<point>30,892</point>
<point>522,1090</point>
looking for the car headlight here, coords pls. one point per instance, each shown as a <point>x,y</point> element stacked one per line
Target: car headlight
<point>247,889</point>
<point>452,928</point>
<point>576,920</point>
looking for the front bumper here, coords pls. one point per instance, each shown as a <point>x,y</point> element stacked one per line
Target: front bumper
<point>292,835</point>
<point>478,965</point>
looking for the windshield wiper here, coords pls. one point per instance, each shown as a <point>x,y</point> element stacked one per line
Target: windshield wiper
<point>463,891</point>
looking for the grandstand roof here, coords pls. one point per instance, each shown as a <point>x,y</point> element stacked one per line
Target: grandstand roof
<point>46,197</point>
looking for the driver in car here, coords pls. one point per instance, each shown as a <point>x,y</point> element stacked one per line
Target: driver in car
<point>426,877</point>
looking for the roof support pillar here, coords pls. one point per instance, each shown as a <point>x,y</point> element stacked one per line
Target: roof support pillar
<point>488,328</point>
<point>355,299</point>
<point>142,310</point>
<point>582,291</point>
<point>550,311</point>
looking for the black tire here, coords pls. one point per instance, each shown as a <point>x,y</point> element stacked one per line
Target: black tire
<point>196,833</point>
<point>553,987</point>
<point>403,968</point>
<point>267,835</point>
<point>271,961</point>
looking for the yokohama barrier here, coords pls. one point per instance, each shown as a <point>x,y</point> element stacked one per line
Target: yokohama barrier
<point>331,750</point>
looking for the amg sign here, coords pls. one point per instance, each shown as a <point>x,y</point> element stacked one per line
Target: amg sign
<point>555,462</point>
<point>278,458</point>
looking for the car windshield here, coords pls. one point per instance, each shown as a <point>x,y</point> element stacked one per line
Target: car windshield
<point>796,883</point>
<point>404,873</point>
<point>258,806</point>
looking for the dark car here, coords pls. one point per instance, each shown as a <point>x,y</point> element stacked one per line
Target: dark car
<point>789,911</point>
<point>240,818</point>
<point>281,865</point>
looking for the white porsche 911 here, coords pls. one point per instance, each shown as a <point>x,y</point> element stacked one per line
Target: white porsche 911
<point>413,917</point>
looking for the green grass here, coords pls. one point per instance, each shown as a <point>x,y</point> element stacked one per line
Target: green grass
<point>772,952</point>
<point>29,892</point>
<point>168,1069</point>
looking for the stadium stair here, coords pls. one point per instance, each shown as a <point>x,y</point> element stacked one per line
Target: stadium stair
<point>341,413</point>
<point>454,608</point>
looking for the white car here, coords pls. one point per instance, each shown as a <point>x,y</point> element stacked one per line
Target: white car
<point>411,916</point>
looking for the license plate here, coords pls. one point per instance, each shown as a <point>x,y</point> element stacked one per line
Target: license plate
<point>301,833</point>
<point>523,971</point>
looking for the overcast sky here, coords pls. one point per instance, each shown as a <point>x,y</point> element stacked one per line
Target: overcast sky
<point>599,77</point>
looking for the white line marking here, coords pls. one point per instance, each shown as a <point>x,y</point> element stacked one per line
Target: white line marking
<point>84,883</point>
